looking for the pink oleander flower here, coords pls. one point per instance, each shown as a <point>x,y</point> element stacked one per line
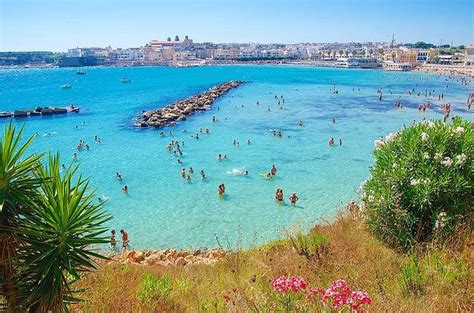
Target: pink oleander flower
<point>338,293</point>
<point>280,284</point>
<point>358,300</point>
<point>297,283</point>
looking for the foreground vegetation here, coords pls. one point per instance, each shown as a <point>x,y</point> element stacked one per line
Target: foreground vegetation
<point>437,279</point>
<point>408,247</point>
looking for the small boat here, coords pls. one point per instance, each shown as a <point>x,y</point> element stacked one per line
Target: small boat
<point>125,80</point>
<point>72,108</point>
<point>66,86</point>
<point>4,114</point>
<point>80,73</point>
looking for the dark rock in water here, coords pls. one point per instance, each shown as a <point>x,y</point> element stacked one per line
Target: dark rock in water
<point>59,111</point>
<point>180,110</point>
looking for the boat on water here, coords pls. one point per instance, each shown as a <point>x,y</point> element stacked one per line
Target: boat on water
<point>40,111</point>
<point>80,73</point>
<point>66,86</point>
<point>125,80</point>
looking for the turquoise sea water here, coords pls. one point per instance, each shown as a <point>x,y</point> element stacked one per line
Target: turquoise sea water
<point>163,210</point>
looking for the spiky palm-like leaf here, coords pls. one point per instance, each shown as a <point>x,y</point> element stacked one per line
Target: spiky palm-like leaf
<point>18,190</point>
<point>58,237</point>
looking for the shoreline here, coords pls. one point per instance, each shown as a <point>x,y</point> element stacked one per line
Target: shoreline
<point>439,69</point>
<point>167,257</point>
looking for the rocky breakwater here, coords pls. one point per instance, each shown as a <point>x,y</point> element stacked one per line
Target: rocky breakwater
<point>180,110</point>
<point>169,257</point>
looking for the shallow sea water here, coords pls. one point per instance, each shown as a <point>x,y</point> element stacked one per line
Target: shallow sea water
<point>163,210</point>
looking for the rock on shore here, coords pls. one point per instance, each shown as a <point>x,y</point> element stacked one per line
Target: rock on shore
<point>169,257</point>
<point>180,110</point>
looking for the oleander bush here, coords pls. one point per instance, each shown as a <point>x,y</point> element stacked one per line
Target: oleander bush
<point>421,184</point>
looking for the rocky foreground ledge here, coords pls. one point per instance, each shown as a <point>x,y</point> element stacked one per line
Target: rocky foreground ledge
<point>169,257</point>
<point>180,110</point>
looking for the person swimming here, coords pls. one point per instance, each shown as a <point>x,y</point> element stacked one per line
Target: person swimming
<point>331,141</point>
<point>203,175</point>
<point>125,189</point>
<point>188,179</point>
<point>191,171</point>
<point>293,198</point>
<point>183,173</point>
<point>221,189</point>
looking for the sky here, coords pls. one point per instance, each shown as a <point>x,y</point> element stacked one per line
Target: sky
<point>56,25</point>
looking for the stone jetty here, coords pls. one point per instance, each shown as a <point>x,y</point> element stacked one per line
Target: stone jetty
<point>169,257</point>
<point>180,110</point>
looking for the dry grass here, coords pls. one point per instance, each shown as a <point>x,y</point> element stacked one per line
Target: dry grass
<point>444,283</point>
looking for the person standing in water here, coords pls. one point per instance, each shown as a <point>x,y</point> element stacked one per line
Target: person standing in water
<point>293,198</point>
<point>113,242</point>
<point>125,242</point>
<point>273,170</point>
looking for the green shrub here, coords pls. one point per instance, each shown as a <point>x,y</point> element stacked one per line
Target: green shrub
<point>152,288</point>
<point>313,245</point>
<point>421,182</point>
<point>412,279</point>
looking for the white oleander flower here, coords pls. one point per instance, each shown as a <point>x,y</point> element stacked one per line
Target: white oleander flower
<point>414,182</point>
<point>378,143</point>
<point>460,159</point>
<point>447,161</point>
<point>426,156</point>
<point>390,137</point>
<point>441,220</point>
<point>459,130</point>
<point>424,136</point>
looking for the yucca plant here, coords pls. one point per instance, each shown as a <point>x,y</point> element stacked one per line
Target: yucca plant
<point>49,224</point>
<point>59,237</point>
<point>18,191</point>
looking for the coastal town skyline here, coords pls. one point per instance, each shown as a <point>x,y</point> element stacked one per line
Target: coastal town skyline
<point>59,25</point>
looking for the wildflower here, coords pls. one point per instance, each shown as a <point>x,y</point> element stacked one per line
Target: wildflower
<point>424,136</point>
<point>460,159</point>
<point>280,284</point>
<point>390,137</point>
<point>226,298</point>
<point>296,283</point>
<point>394,165</point>
<point>447,161</point>
<point>459,130</point>
<point>414,182</point>
<point>438,156</point>
<point>371,198</point>
<point>426,155</point>
<point>358,299</point>
<point>430,124</point>
<point>339,293</point>
<point>378,143</point>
